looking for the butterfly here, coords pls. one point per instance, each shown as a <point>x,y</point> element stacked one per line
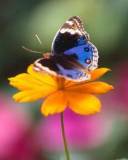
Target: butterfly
<point>72,55</point>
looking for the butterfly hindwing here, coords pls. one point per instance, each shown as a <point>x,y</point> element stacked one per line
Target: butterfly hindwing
<point>86,55</point>
<point>61,66</point>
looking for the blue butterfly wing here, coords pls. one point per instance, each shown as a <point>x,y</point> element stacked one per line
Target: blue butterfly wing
<point>72,39</point>
<point>59,66</point>
<point>72,53</point>
<point>86,55</point>
<point>69,35</point>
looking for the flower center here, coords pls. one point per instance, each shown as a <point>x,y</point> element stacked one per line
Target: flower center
<point>61,83</point>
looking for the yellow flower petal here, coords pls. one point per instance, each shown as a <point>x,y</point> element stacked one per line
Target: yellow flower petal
<point>84,104</point>
<point>59,92</point>
<point>97,73</point>
<point>54,103</point>
<point>34,94</point>
<point>43,77</point>
<point>25,81</point>
<point>27,96</point>
<point>91,87</point>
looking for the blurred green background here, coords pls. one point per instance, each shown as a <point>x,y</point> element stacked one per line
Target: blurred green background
<point>107,22</point>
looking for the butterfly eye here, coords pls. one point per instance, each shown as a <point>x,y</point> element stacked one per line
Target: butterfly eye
<point>87,61</point>
<point>86,49</point>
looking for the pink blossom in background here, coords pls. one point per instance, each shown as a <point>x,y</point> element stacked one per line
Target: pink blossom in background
<point>17,140</point>
<point>81,131</point>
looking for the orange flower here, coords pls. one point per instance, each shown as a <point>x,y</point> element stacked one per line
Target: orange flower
<point>59,93</point>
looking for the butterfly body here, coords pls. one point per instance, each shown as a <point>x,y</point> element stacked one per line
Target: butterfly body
<point>72,54</point>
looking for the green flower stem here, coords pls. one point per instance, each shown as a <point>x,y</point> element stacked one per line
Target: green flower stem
<point>64,138</point>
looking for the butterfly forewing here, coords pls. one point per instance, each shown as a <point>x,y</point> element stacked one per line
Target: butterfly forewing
<point>68,35</point>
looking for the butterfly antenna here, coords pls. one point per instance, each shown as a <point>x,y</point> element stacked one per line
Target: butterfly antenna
<point>38,39</point>
<point>30,50</point>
